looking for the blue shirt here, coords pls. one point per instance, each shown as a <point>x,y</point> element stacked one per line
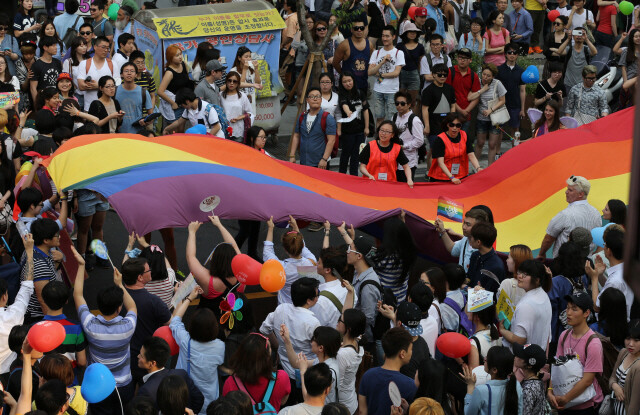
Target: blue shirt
<point>522,25</point>
<point>374,387</point>
<point>313,141</point>
<point>436,14</point>
<point>65,21</point>
<point>511,78</point>
<point>131,103</point>
<point>205,359</point>
<point>478,402</point>
<point>10,42</point>
<point>471,44</point>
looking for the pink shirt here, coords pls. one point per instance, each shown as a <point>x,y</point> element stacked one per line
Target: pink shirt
<point>281,389</point>
<point>496,41</point>
<point>593,363</point>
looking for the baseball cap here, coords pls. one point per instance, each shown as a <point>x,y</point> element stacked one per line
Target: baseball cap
<point>580,182</point>
<point>214,65</point>
<point>581,299</point>
<point>410,315</point>
<point>532,354</point>
<point>64,75</point>
<point>582,237</point>
<point>466,52</point>
<point>365,247</point>
<point>421,12</point>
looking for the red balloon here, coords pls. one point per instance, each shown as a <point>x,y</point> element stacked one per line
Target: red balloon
<point>46,336</point>
<point>412,12</point>
<point>164,332</point>
<point>272,276</point>
<point>246,269</point>
<point>553,15</point>
<point>453,345</point>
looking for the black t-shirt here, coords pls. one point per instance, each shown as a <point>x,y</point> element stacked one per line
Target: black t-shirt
<point>152,314</point>
<point>544,86</point>
<point>46,73</point>
<point>420,353</point>
<point>439,100</point>
<point>357,125</point>
<point>438,149</point>
<point>366,153</point>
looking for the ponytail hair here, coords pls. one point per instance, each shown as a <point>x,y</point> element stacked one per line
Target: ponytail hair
<point>501,359</point>
<point>487,317</point>
<point>293,242</point>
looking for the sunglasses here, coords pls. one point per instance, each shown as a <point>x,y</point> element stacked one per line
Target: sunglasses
<point>511,52</point>
<point>358,28</point>
<point>442,75</point>
<point>589,78</point>
<point>557,23</point>
<point>401,103</point>
<point>349,250</point>
<point>85,33</point>
<point>232,81</point>
<point>455,125</point>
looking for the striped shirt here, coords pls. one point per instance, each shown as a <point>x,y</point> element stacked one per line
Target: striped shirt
<point>74,340</point>
<point>147,81</point>
<point>163,288</point>
<point>109,342</point>
<point>389,270</point>
<point>578,214</point>
<point>43,270</point>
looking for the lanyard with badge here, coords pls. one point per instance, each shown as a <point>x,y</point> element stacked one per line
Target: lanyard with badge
<point>455,167</point>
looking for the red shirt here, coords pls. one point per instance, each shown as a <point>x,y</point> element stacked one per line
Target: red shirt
<point>605,19</point>
<point>463,84</point>
<point>281,389</point>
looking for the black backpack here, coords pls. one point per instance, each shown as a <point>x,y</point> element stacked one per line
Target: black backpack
<point>381,323</point>
<point>71,34</point>
<point>464,25</point>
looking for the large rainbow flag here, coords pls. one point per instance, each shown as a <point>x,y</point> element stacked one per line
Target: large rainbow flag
<point>169,181</point>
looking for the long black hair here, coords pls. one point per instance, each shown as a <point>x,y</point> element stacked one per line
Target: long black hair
<point>612,317</point>
<point>433,378</point>
<point>353,93</point>
<point>397,241</point>
<point>75,44</point>
<point>570,263</point>
<point>487,316</point>
<point>501,359</point>
<point>618,211</point>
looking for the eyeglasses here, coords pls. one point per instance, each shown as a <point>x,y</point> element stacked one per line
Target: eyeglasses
<point>590,78</point>
<point>110,86</point>
<point>523,275</point>
<point>442,75</point>
<point>320,29</point>
<point>385,132</point>
<point>358,28</point>
<point>401,103</point>
<point>266,345</point>
<point>455,125</point>
<point>325,82</point>
<point>149,270</point>
<point>511,52</point>
<point>349,250</point>
<point>314,97</point>
<point>85,33</point>
<point>92,10</point>
<point>232,81</point>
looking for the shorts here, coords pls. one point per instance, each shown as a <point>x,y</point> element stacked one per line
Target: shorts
<point>89,203</point>
<point>514,120</point>
<point>483,127</point>
<point>410,80</point>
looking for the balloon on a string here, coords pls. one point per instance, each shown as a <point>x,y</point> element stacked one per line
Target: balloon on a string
<point>553,15</point>
<point>112,12</point>
<point>46,336</point>
<point>272,276</point>
<point>412,12</point>
<point>531,75</point>
<point>164,333</point>
<point>246,269</point>
<point>626,7</point>
<point>98,383</point>
<point>453,345</point>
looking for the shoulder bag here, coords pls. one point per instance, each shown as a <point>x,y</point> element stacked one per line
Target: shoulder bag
<point>501,115</point>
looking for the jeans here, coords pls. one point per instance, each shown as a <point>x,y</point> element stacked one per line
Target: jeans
<point>350,144</point>
<point>385,107</point>
<point>487,6</point>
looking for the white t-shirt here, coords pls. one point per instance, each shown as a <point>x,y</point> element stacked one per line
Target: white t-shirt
<point>199,116</point>
<point>425,69</point>
<point>486,343</point>
<point>433,313</point>
<point>95,73</point>
<point>349,361</point>
<point>580,19</point>
<point>510,286</point>
<point>532,318</point>
<point>118,60</point>
<point>387,85</point>
<point>430,329</point>
<point>310,120</point>
<point>332,362</point>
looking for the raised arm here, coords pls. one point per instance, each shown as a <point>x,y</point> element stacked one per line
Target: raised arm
<point>291,354</point>
<point>327,231</point>
<point>183,306</point>
<point>226,236</point>
<point>129,304</point>
<point>26,380</point>
<point>199,272</point>
<point>78,285</point>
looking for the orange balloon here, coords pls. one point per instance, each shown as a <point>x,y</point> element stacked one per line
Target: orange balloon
<point>272,276</point>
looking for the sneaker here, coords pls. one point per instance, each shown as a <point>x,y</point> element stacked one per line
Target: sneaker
<point>88,262</point>
<point>315,226</point>
<point>531,51</point>
<point>537,49</point>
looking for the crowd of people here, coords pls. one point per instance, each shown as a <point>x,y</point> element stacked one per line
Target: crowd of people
<point>362,333</point>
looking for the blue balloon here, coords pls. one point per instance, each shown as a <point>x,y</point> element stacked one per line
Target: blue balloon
<point>197,129</point>
<point>531,75</point>
<point>98,383</point>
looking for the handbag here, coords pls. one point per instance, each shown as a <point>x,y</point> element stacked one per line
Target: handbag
<point>564,375</point>
<point>501,115</point>
<point>6,219</point>
<point>606,408</point>
<point>580,116</point>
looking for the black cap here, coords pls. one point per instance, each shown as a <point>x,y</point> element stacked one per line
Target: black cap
<point>532,354</point>
<point>410,315</point>
<point>365,247</point>
<point>581,299</point>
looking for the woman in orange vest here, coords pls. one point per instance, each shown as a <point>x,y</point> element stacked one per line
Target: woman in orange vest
<point>380,158</point>
<point>452,151</point>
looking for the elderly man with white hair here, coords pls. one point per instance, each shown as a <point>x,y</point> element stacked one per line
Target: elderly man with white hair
<point>579,213</point>
<point>123,23</point>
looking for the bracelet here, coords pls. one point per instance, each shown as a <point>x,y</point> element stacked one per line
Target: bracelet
<point>188,299</point>
<point>292,157</point>
<point>326,161</point>
<point>20,126</point>
<point>549,389</point>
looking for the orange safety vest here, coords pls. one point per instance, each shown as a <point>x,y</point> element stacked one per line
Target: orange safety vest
<point>385,163</point>
<point>453,153</point>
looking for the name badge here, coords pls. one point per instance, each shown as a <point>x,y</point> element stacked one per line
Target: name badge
<point>382,176</point>
<point>455,168</point>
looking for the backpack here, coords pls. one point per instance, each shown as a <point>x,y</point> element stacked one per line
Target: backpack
<point>562,317</point>
<point>445,58</point>
<point>464,25</point>
<point>609,357</point>
<point>586,52</point>
<point>109,62</point>
<point>481,358</point>
<point>262,407</point>
<point>409,124</point>
<point>71,34</point>
<point>222,118</point>
<point>323,125</point>
<point>465,326</point>
<point>381,323</point>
